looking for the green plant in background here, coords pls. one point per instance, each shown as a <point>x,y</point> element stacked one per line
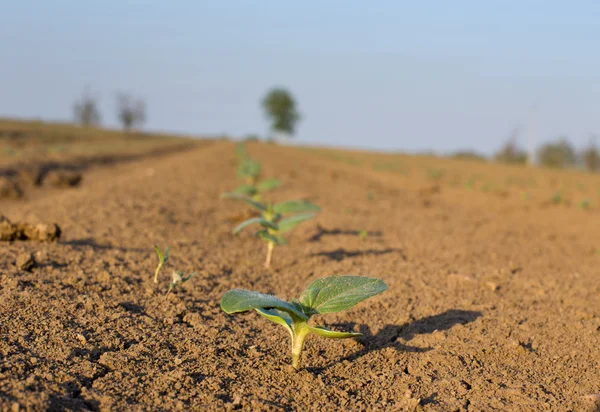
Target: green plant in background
<point>177,278</point>
<point>326,295</point>
<point>272,221</point>
<point>584,204</point>
<point>362,234</point>
<point>162,258</point>
<point>249,171</point>
<point>557,198</point>
<point>435,174</point>
<point>256,190</point>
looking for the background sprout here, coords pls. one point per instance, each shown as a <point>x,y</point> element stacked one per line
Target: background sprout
<point>177,278</point>
<point>162,258</point>
<point>326,295</point>
<point>273,222</point>
<point>249,170</point>
<point>255,191</point>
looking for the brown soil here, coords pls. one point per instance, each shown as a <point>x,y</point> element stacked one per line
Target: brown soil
<point>492,304</point>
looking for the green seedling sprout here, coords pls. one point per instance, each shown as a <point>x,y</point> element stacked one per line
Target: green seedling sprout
<point>177,278</point>
<point>162,258</point>
<point>584,204</point>
<point>557,198</point>
<point>326,295</point>
<point>272,221</point>
<point>255,191</point>
<point>362,234</point>
<point>249,171</point>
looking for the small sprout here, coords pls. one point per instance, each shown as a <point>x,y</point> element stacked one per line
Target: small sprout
<point>249,170</point>
<point>272,220</point>
<point>326,295</point>
<point>177,278</point>
<point>557,198</point>
<point>255,191</point>
<point>370,196</point>
<point>162,258</point>
<point>584,204</point>
<point>362,234</point>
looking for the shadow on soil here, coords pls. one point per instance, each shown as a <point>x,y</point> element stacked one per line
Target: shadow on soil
<point>89,242</point>
<point>389,335</point>
<point>321,231</point>
<point>340,254</point>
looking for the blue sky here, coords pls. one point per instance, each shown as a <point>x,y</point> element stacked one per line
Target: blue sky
<point>395,75</point>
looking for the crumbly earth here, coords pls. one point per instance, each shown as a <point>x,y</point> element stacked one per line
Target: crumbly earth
<point>492,304</point>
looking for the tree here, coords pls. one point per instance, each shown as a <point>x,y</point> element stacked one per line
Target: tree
<point>280,108</point>
<point>590,157</point>
<point>85,110</point>
<point>131,112</point>
<point>559,154</point>
<point>511,153</point>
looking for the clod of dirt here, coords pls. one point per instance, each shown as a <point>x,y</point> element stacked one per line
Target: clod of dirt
<point>44,232</point>
<point>25,261</point>
<point>30,176</point>
<point>9,189</point>
<point>62,178</point>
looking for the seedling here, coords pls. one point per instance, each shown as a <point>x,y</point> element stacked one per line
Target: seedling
<point>249,170</point>
<point>255,191</point>
<point>162,258</point>
<point>557,198</point>
<point>177,278</point>
<point>326,295</point>
<point>273,222</point>
<point>362,234</point>
<point>584,204</point>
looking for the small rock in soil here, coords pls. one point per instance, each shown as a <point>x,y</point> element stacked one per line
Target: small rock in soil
<point>62,178</point>
<point>25,261</point>
<point>9,189</point>
<point>30,176</point>
<point>44,232</point>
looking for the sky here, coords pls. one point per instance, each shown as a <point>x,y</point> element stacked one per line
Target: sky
<point>392,75</point>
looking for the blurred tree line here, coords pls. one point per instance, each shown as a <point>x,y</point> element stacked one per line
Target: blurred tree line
<point>281,111</point>
<point>559,154</point>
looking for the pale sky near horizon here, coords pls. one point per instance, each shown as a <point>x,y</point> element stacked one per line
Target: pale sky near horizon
<point>394,75</point>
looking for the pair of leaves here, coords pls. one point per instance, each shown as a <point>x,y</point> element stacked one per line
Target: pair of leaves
<point>325,295</point>
<point>282,226</point>
<point>292,206</point>
<point>263,186</point>
<point>162,257</point>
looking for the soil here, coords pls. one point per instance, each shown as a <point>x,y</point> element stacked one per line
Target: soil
<point>492,303</point>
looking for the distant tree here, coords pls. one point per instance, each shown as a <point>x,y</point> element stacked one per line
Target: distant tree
<point>511,153</point>
<point>559,154</point>
<point>590,157</point>
<point>280,108</point>
<point>85,110</point>
<point>131,112</point>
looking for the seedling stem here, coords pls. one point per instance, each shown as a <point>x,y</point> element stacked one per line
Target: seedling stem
<point>270,247</point>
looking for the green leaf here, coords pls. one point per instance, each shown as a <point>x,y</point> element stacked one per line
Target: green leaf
<point>337,293</point>
<point>295,206</point>
<point>332,334</point>
<point>289,222</point>
<point>279,317</point>
<point>246,190</point>
<point>262,221</point>
<point>265,235</point>
<point>251,202</point>
<point>162,258</point>
<point>268,184</point>
<point>241,300</point>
